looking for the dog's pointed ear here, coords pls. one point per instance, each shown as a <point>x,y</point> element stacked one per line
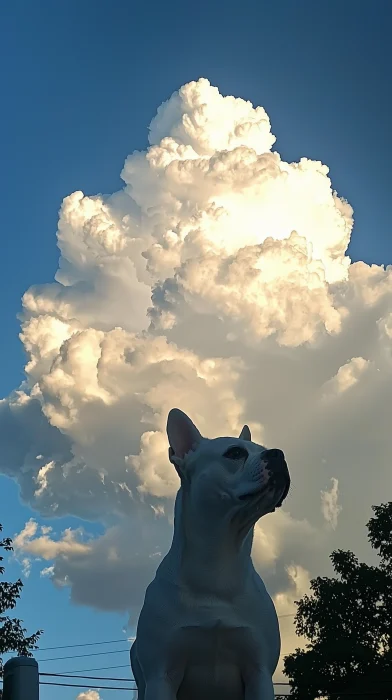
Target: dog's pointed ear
<point>183,436</point>
<point>245,434</point>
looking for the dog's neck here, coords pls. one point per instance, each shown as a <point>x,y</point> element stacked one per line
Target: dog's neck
<point>207,558</point>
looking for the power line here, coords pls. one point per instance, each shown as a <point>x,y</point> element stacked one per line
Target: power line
<point>90,687</point>
<point>107,678</point>
<point>86,644</point>
<point>90,678</point>
<point>80,656</point>
<point>108,668</point>
<point>100,668</point>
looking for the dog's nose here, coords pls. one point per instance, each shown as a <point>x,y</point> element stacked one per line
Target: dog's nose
<point>279,473</point>
<point>275,458</point>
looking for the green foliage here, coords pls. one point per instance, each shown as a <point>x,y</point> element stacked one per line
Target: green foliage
<point>347,621</point>
<point>12,635</point>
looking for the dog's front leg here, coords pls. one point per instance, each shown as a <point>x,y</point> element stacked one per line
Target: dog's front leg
<point>259,686</point>
<point>161,688</point>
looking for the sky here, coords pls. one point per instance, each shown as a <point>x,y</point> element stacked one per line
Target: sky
<point>296,341</point>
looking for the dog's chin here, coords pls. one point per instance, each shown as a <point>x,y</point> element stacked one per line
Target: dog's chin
<point>283,494</point>
<point>273,495</point>
<point>255,505</point>
<point>278,493</point>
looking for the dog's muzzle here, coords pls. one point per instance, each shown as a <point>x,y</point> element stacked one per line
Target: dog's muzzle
<point>279,474</point>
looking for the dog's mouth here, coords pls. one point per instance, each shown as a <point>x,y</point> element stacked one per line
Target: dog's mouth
<point>280,490</point>
<point>278,483</point>
<point>262,501</point>
<point>284,494</point>
<point>279,479</point>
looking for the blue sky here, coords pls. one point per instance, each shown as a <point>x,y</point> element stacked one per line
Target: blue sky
<point>82,82</point>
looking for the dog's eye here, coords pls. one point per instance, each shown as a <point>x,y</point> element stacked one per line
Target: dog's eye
<point>236,453</point>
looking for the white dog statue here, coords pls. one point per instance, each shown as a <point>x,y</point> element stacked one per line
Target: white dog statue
<point>208,629</point>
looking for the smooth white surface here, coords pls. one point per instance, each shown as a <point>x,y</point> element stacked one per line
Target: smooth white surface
<point>208,628</point>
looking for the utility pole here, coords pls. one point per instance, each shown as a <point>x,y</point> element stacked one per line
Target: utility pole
<point>21,679</point>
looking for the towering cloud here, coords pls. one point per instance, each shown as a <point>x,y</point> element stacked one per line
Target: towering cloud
<point>216,280</point>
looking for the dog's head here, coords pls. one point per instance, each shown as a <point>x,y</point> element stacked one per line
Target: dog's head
<point>227,476</point>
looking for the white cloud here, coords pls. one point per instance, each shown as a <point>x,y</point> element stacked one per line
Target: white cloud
<point>89,695</point>
<point>347,376</point>
<point>329,504</point>
<point>198,116</point>
<point>285,606</point>
<point>44,547</point>
<point>272,288</point>
<point>218,281</point>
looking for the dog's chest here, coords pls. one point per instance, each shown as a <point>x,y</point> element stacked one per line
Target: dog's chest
<point>212,683</point>
<point>188,619</point>
<point>214,656</point>
<point>214,634</point>
<point>210,640</point>
<point>210,613</point>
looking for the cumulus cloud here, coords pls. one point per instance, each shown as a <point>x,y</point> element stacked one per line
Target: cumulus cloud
<point>329,504</point>
<point>89,695</point>
<point>274,288</point>
<point>216,280</point>
<point>30,541</point>
<point>108,572</point>
<point>285,603</point>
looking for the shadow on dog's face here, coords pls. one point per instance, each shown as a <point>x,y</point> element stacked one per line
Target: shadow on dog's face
<point>227,477</point>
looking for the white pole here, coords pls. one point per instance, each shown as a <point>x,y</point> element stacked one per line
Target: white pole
<point>21,679</point>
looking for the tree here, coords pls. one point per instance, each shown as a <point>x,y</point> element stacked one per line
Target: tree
<point>12,634</point>
<point>347,621</point>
